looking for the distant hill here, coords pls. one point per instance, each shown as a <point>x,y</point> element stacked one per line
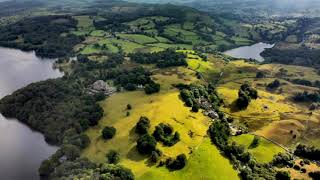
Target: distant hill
<point>266,8</point>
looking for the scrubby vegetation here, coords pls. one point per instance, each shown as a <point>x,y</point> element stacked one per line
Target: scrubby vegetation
<point>246,93</point>
<point>146,144</point>
<point>143,126</point>
<point>307,97</point>
<point>178,163</point>
<point>274,84</point>
<point>314,175</point>
<point>164,133</point>
<point>283,160</point>
<point>108,132</point>
<point>113,157</point>
<point>304,151</point>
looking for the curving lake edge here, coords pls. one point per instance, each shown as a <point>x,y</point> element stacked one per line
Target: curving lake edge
<point>249,52</point>
<point>22,149</point>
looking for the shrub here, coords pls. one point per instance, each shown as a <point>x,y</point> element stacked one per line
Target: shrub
<point>108,132</point>
<point>46,168</point>
<point>243,101</point>
<point>130,87</point>
<point>282,160</point>
<point>314,175</point>
<point>142,126</point>
<point>283,175</point>
<point>155,156</point>
<point>178,163</point>
<point>255,142</point>
<point>260,74</point>
<point>195,108</point>
<point>311,152</point>
<point>152,88</point>
<point>146,144</point>
<point>296,167</point>
<point>113,157</point>
<point>274,85</point>
<point>164,134</point>
<point>112,171</point>
<point>246,93</point>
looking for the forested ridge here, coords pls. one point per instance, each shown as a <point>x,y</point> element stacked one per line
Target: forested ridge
<point>42,34</point>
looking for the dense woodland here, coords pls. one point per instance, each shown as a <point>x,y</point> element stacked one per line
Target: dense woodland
<point>53,107</point>
<point>303,56</point>
<point>42,34</point>
<point>162,59</point>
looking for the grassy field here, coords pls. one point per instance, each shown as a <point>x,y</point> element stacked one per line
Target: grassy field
<point>84,22</point>
<point>263,153</point>
<point>273,115</point>
<point>162,107</point>
<point>98,33</point>
<point>138,38</point>
<point>267,108</point>
<point>205,163</point>
<point>165,45</point>
<point>146,22</point>
<point>127,46</point>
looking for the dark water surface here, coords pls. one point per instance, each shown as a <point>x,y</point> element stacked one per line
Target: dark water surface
<point>248,52</point>
<point>21,149</point>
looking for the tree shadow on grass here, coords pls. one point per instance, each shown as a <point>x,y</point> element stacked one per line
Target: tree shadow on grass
<point>234,108</point>
<point>133,137</point>
<point>149,163</point>
<point>134,155</point>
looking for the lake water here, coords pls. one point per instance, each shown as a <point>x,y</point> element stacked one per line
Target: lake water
<point>21,150</point>
<point>248,52</point>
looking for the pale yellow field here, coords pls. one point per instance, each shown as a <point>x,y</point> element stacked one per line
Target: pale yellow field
<point>267,106</point>
<point>158,108</point>
<point>161,107</point>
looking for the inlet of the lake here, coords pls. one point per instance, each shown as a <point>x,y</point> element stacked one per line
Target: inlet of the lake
<point>22,150</point>
<point>249,52</point>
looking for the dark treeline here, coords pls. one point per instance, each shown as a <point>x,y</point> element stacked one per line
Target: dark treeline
<point>82,167</point>
<point>303,56</point>
<point>42,34</point>
<point>308,152</point>
<point>8,8</point>
<point>307,97</point>
<point>305,82</point>
<point>162,59</point>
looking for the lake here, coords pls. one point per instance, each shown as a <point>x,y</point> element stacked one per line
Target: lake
<point>248,52</point>
<point>22,150</point>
